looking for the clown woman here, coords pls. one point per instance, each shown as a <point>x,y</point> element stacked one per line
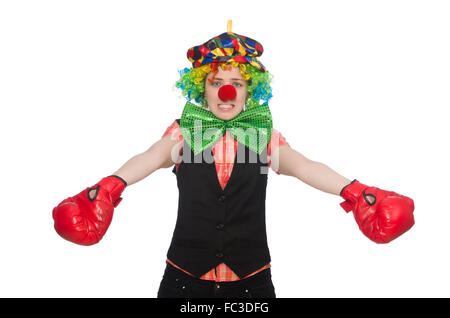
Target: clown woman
<point>220,149</point>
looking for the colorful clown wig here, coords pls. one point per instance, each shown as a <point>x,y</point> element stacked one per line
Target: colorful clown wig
<point>192,82</point>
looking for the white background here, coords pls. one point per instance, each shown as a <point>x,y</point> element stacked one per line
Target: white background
<point>362,86</point>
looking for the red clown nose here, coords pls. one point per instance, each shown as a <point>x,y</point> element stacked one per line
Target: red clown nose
<point>227,92</point>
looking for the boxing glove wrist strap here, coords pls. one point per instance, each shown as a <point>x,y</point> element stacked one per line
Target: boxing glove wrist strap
<point>351,192</point>
<point>114,185</point>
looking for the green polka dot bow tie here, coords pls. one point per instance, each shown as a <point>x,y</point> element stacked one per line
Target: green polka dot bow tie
<point>201,129</point>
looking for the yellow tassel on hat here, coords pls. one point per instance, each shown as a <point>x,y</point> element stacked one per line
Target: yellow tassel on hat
<point>229,26</point>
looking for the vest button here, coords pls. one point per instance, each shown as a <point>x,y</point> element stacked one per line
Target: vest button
<point>219,255</point>
<point>220,226</point>
<point>222,198</point>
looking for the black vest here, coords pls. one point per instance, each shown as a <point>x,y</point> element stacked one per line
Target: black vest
<point>221,226</point>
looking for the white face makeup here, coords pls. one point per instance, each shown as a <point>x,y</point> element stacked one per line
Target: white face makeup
<point>228,109</point>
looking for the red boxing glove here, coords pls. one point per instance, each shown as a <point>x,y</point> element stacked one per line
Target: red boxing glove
<point>84,218</point>
<point>381,215</point>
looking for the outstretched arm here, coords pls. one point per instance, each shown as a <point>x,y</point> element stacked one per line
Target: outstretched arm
<point>161,154</point>
<point>316,174</point>
<point>381,215</point>
<point>85,217</point>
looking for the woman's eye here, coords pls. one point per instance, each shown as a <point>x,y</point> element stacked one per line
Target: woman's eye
<point>237,84</point>
<point>216,83</point>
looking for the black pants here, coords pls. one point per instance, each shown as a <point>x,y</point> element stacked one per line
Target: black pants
<point>177,284</point>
